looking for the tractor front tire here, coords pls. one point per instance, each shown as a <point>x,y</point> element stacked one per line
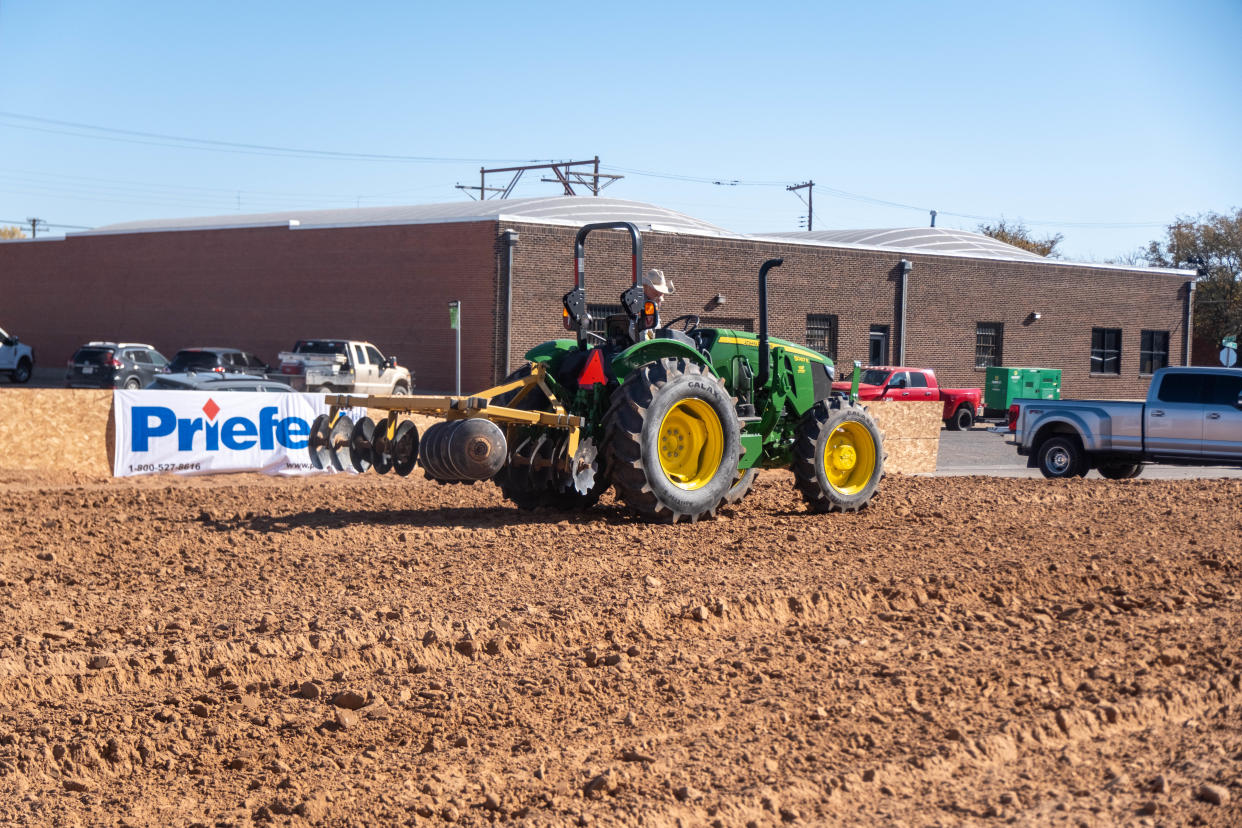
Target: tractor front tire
<point>672,440</point>
<point>745,481</point>
<point>838,456</point>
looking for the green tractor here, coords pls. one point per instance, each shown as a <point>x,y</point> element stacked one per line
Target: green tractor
<point>677,418</point>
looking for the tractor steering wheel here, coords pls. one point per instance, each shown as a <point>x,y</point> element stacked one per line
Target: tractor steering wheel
<point>691,320</point>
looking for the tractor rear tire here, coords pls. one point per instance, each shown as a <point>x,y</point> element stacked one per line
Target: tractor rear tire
<point>672,440</point>
<point>838,456</point>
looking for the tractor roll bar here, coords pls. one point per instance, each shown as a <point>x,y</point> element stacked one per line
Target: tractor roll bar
<point>576,317</point>
<point>579,260</point>
<point>762,380</point>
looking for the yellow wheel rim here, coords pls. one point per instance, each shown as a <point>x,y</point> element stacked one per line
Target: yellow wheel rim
<point>849,458</point>
<point>691,444</point>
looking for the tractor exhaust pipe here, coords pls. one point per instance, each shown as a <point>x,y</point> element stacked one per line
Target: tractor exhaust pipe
<point>764,358</point>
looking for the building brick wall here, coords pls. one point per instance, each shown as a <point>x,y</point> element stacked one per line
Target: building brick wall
<point>948,296</point>
<point>263,288</point>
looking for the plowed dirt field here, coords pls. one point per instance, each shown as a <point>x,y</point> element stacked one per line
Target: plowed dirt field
<point>365,651</point>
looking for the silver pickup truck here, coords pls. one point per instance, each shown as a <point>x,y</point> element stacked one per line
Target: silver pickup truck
<point>1192,417</point>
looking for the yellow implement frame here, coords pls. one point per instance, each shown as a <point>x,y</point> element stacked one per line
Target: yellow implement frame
<point>476,405</point>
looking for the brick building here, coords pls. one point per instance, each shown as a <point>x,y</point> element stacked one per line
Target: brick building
<point>938,298</point>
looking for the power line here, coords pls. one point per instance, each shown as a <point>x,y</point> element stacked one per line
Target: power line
<point>184,142</point>
<point>43,223</point>
<point>879,202</point>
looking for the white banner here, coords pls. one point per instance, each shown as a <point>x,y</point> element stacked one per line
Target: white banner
<point>206,432</point>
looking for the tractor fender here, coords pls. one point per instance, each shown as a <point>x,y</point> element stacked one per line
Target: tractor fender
<point>552,351</point>
<point>655,349</point>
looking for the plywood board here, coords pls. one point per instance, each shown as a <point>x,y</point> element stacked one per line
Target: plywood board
<point>911,433</point>
<point>55,429</point>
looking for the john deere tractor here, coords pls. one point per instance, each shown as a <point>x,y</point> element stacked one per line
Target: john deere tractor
<point>676,417</point>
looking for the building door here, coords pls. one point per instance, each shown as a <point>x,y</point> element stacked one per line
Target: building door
<point>878,352</point>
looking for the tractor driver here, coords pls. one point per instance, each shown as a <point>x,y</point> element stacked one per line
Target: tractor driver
<point>655,288</point>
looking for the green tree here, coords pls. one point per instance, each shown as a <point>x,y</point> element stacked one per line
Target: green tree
<point>11,233</point>
<point>1212,244</point>
<point>1019,235</point>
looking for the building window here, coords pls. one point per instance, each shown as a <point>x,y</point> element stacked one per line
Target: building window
<point>734,323</point>
<point>1106,350</point>
<point>821,333</point>
<point>988,338</point>
<point>1153,351</point>
<point>877,352</point>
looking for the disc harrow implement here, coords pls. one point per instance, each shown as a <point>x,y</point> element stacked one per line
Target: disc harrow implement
<point>471,444</point>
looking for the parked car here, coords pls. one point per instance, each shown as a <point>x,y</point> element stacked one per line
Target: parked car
<point>1192,417</point>
<point>961,405</point>
<point>219,360</point>
<point>114,365</point>
<point>344,365</point>
<point>212,381</point>
<point>16,359</point>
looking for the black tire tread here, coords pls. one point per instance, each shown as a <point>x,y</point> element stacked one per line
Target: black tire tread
<point>805,450</point>
<point>623,438</point>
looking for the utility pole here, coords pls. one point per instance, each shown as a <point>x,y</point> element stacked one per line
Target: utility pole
<point>809,186</point>
<point>564,171</point>
<point>34,226</point>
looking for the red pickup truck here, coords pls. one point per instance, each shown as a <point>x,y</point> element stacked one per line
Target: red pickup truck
<point>961,405</point>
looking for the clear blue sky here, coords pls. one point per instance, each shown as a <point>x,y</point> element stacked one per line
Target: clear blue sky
<point>1066,115</point>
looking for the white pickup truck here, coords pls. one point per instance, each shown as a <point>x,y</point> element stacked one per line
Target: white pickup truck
<point>16,359</point>
<point>343,366</point>
<point>1192,417</point>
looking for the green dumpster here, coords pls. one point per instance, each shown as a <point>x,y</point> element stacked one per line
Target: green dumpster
<point>1005,384</point>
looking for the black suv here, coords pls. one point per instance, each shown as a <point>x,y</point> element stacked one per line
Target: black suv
<point>114,365</point>
<point>218,360</point>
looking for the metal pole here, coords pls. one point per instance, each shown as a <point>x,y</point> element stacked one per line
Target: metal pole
<point>511,239</point>
<point>458,392</point>
<point>906,267</point>
<point>810,207</point>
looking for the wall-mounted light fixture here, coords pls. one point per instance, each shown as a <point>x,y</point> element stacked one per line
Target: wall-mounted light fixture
<point>715,302</point>
<point>1035,315</point>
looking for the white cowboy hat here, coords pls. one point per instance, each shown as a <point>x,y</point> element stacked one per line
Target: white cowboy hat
<point>655,278</point>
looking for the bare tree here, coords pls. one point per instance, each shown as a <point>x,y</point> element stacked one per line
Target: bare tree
<point>1212,244</point>
<point>1017,234</point>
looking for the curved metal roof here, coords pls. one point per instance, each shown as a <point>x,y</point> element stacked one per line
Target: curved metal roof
<point>939,240</point>
<point>566,210</point>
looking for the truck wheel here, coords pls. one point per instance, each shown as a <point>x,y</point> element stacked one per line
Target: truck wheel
<point>961,420</point>
<point>741,488</point>
<point>400,390</point>
<point>1062,457</point>
<point>21,374</point>
<point>672,441</point>
<point>1120,471</point>
<point>838,456</point>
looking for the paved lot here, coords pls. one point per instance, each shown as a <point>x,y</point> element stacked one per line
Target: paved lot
<point>981,452</point>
